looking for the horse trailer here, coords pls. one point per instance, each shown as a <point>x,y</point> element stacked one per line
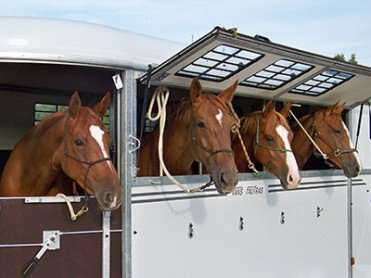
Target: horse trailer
<point>320,229</point>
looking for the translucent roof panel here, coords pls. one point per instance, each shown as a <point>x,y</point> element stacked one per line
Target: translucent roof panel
<point>277,74</point>
<point>322,83</point>
<point>220,63</point>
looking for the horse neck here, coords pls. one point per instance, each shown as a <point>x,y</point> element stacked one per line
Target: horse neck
<point>248,134</point>
<point>178,149</point>
<point>301,146</point>
<point>38,148</point>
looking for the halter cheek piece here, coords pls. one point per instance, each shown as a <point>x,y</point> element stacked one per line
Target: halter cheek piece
<point>235,126</point>
<point>211,153</point>
<point>89,164</point>
<point>337,152</point>
<point>260,145</point>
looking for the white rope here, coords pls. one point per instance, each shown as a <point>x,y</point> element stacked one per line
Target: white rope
<point>73,215</point>
<point>325,157</point>
<point>161,96</point>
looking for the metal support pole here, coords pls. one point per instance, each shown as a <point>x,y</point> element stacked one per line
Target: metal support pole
<point>128,163</point>
<point>350,228</point>
<point>106,242</point>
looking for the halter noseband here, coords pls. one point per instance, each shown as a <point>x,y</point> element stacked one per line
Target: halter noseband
<point>211,153</point>
<point>89,164</point>
<point>337,152</point>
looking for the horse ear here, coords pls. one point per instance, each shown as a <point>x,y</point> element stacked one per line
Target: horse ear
<point>338,108</point>
<point>228,94</point>
<point>196,89</point>
<point>268,108</point>
<point>74,105</point>
<point>285,111</point>
<point>101,107</point>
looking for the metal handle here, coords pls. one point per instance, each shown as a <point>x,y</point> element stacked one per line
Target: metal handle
<point>31,265</point>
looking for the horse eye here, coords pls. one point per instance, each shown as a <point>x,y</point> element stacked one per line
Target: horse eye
<point>270,139</point>
<point>337,131</point>
<point>79,142</point>
<point>201,125</point>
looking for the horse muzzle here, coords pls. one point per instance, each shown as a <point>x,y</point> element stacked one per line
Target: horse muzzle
<point>352,171</point>
<point>225,182</point>
<point>109,199</point>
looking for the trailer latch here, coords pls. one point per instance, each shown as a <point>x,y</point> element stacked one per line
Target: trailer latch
<point>51,241</point>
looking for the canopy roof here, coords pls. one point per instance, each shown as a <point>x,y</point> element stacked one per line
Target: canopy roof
<point>72,42</point>
<point>265,70</point>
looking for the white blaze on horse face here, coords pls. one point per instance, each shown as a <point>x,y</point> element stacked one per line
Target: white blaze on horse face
<point>351,146</point>
<point>219,117</point>
<point>97,133</point>
<point>293,176</point>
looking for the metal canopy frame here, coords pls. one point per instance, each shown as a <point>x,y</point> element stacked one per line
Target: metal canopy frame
<point>352,91</point>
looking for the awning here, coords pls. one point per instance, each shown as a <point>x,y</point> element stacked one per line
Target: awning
<point>265,70</point>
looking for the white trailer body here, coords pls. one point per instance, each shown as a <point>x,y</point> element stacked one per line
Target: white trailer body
<point>321,229</point>
<point>259,230</point>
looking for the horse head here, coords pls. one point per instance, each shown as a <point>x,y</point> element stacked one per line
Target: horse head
<point>272,138</point>
<point>333,138</point>
<point>84,153</point>
<point>212,121</point>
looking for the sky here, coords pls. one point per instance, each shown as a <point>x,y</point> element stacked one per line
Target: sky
<point>325,27</point>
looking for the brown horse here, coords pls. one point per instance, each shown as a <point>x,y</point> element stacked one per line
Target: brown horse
<point>267,137</point>
<point>330,133</point>
<point>65,147</point>
<point>200,130</point>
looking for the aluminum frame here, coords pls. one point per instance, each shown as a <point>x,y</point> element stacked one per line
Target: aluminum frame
<point>128,163</point>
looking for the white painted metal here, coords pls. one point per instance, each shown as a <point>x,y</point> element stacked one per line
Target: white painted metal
<point>61,41</point>
<point>106,244</point>
<point>304,246</point>
<point>361,219</point>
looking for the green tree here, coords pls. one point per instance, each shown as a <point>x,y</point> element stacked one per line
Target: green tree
<point>353,59</point>
<point>341,57</point>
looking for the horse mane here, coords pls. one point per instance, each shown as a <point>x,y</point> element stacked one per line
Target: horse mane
<point>246,120</point>
<point>182,111</point>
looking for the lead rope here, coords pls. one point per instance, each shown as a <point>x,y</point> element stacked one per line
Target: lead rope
<point>161,96</point>
<point>325,156</point>
<point>236,129</point>
<point>84,208</point>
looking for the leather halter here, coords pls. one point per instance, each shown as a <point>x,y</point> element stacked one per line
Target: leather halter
<point>337,152</point>
<point>88,163</point>
<point>211,152</point>
<point>258,144</point>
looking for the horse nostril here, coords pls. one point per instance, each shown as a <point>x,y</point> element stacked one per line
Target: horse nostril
<point>222,178</point>
<point>109,197</point>
<point>357,169</point>
<point>291,179</point>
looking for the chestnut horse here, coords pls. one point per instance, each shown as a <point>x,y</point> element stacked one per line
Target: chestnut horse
<point>330,133</point>
<point>200,130</point>
<point>267,137</point>
<point>65,147</point>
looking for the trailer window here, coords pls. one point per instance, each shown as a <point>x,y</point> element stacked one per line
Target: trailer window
<point>277,74</point>
<point>322,83</point>
<point>42,110</point>
<point>220,63</point>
